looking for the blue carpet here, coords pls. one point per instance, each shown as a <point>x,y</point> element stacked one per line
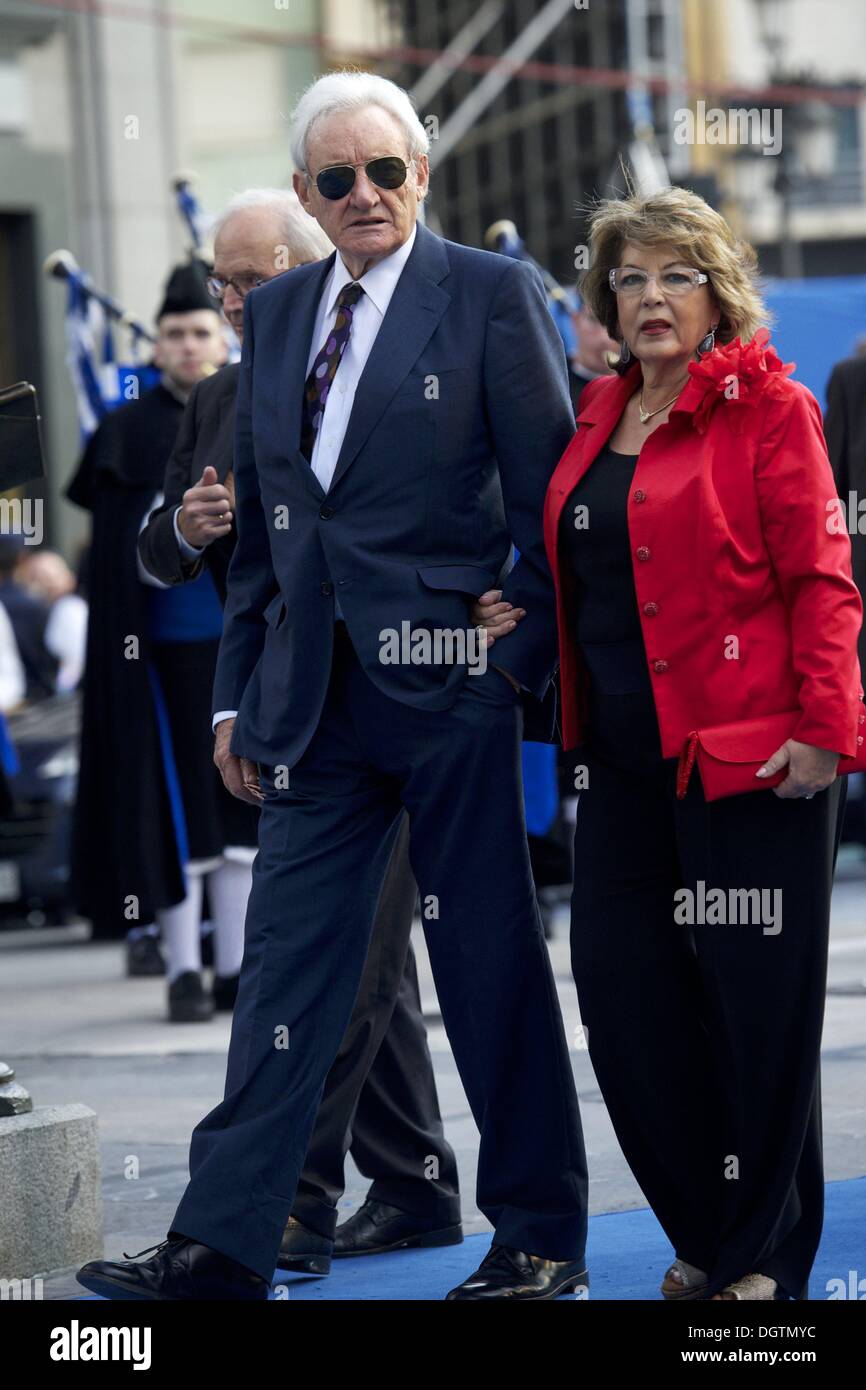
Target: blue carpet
<point>627,1255</point>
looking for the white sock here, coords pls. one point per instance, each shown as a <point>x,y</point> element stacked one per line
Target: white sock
<point>228,889</point>
<point>181,931</point>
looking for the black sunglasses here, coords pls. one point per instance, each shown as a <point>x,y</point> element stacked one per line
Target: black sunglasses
<point>338,180</point>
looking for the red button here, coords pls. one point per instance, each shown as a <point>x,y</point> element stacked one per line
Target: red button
<point>650,609</point>
<point>660,667</point>
<point>862,718</point>
<point>859,738</point>
<point>639,495</point>
<point>643,552</point>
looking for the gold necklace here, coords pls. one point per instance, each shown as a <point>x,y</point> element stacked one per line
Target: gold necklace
<point>648,414</point>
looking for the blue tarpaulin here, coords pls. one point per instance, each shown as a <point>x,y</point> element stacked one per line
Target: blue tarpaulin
<point>817,322</point>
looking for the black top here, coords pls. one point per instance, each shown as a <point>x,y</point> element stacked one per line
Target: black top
<point>594,544</point>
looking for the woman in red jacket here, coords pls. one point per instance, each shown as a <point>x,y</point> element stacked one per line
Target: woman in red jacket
<point>700,582</point>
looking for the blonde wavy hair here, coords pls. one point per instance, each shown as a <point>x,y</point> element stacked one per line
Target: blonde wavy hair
<point>681,219</point>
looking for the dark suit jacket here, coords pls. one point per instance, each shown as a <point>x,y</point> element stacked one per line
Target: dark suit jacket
<point>459,419</point>
<point>845,428</point>
<point>206,436</point>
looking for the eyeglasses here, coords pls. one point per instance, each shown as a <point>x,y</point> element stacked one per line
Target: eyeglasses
<point>339,179</point>
<point>626,281</point>
<point>241,284</point>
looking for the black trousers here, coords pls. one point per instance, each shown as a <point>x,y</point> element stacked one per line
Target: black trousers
<point>324,845</point>
<point>705,1036</point>
<point>379,1101</point>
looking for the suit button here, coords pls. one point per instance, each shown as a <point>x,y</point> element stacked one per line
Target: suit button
<point>862,718</point>
<point>859,738</point>
<point>643,552</point>
<point>326,513</point>
<point>639,495</point>
<point>327,589</point>
<point>660,667</point>
<point>650,609</point>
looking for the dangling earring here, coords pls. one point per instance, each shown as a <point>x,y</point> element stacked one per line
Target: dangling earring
<point>624,353</point>
<point>707,344</point>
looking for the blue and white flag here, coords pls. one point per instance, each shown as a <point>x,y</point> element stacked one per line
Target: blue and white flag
<point>85,325</point>
<point>100,382</point>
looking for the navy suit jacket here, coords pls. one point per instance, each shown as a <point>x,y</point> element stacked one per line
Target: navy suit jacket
<point>459,419</point>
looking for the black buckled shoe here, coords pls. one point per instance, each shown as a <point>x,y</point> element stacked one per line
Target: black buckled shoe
<point>180,1268</point>
<point>508,1273</point>
<point>377,1228</point>
<point>303,1251</point>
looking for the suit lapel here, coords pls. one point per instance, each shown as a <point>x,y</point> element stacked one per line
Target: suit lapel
<point>599,420</point>
<point>412,317</point>
<point>225,430</point>
<point>293,368</point>
<point>596,422</point>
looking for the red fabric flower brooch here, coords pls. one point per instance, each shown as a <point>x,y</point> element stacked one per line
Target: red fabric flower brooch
<point>738,372</point>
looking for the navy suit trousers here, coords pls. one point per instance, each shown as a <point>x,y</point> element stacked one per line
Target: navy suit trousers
<point>324,843</point>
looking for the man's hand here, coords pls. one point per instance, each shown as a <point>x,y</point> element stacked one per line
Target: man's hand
<point>240,775</point>
<point>810,769</point>
<point>206,511</point>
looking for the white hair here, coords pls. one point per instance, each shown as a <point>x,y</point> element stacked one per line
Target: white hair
<point>352,91</point>
<point>301,233</point>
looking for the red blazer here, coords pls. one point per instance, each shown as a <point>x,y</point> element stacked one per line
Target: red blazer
<point>741,568</point>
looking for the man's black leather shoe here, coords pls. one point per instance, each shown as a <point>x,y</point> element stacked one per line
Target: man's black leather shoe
<point>508,1273</point>
<point>304,1251</point>
<point>181,1268</point>
<point>187,1000</point>
<point>378,1228</point>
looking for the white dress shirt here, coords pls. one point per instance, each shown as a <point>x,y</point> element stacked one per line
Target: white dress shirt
<point>379,284</point>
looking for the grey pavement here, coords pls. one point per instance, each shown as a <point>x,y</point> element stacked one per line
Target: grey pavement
<point>76,1029</point>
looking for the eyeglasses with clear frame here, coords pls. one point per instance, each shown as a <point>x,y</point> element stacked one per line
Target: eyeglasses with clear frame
<point>628,281</point>
<point>241,284</point>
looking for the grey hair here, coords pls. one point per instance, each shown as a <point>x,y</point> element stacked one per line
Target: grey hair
<point>301,233</point>
<point>352,91</point>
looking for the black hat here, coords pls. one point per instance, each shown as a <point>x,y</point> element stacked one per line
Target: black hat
<point>186,290</point>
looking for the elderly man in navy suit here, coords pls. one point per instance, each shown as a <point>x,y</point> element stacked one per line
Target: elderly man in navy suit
<point>389,450</point>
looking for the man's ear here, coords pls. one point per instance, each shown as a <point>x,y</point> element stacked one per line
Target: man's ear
<point>422,176</point>
<point>302,188</point>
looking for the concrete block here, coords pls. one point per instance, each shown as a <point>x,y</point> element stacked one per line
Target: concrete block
<point>50,1201</point>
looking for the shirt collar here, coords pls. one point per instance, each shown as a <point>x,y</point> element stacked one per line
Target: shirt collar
<point>379,281</point>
